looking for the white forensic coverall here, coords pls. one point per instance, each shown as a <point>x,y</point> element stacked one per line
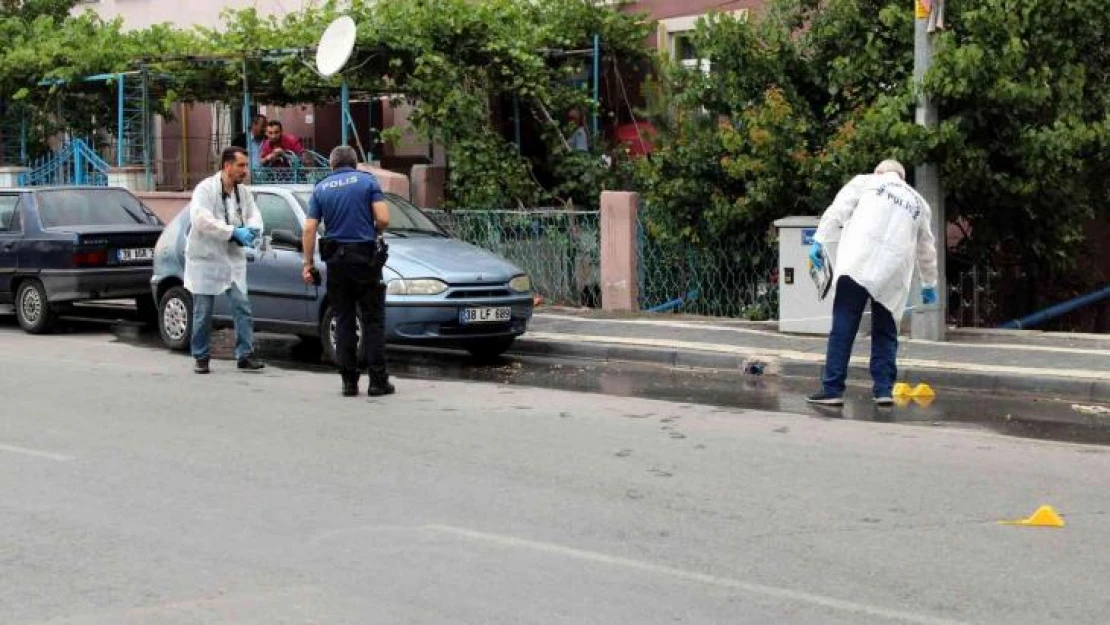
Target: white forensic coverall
<point>213,262</point>
<point>887,226</point>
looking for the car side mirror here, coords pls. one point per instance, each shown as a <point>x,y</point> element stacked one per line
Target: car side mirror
<point>286,238</point>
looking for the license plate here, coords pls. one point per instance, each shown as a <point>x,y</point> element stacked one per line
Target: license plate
<point>485,314</point>
<point>137,253</point>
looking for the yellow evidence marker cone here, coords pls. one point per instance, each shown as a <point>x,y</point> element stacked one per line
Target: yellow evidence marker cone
<point>923,390</point>
<point>1045,516</point>
<point>902,389</point>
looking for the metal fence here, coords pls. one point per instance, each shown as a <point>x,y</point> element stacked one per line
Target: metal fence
<point>739,281</point>
<point>559,249</point>
<point>74,164</point>
<point>311,168</point>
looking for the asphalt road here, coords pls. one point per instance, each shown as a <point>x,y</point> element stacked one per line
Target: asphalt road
<point>137,492</point>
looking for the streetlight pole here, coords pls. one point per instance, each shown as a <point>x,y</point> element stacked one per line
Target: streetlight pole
<point>929,322</point>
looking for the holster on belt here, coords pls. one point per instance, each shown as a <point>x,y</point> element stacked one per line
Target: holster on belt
<point>363,253</point>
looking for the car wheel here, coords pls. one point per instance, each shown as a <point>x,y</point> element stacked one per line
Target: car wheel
<point>490,349</point>
<point>32,309</point>
<point>327,337</point>
<point>175,318</point>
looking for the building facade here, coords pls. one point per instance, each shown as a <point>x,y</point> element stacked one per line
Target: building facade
<point>188,143</point>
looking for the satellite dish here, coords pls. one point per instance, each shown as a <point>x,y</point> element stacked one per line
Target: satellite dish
<point>335,47</point>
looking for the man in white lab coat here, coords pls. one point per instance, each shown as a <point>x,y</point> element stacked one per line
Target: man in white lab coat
<point>224,222</point>
<point>886,231</point>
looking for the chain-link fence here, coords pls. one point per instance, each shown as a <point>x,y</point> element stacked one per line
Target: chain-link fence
<point>739,281</point>
<point>559,249</point>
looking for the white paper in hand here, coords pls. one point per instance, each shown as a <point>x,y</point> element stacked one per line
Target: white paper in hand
<point>822,277</point>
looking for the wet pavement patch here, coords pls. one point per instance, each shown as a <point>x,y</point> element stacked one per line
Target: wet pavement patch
<point>731,392</point>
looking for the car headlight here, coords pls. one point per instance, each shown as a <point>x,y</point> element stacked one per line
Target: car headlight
<point>416,287</point>
<point>521,284</point>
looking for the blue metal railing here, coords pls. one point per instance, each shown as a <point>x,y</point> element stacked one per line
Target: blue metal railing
<point>75,164</point>
<point>311,168</point>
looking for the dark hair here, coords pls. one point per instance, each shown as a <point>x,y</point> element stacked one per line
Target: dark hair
<point>275,123</point>
<point>229,155</point>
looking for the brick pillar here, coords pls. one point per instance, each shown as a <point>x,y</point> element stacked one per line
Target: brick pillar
<point>391,181</point>
<point>428,185</point>
<point>619,253</point>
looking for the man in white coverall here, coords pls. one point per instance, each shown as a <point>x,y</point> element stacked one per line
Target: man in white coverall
<point>886,229</point>
<point>224,222</point>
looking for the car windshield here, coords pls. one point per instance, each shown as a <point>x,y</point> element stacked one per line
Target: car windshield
<point>403,217</point>
<point>60,208</point>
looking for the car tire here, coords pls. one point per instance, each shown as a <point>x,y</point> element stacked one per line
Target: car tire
<point>32,309</point>
<point>491,349</point>
<point>327,337</point>
<point>175,318</point>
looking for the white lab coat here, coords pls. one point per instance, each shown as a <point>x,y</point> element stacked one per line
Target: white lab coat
<point>887,227</point>
<point>213,262</point>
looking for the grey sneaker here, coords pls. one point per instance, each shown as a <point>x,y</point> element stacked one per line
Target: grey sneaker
<point>201,366</point>
<point>884,400</point>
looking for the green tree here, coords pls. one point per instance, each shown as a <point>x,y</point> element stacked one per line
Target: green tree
<point>1022,89</point>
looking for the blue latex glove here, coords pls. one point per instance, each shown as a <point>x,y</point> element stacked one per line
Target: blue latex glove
<point>817,255</point>
<point>244,236</point>
<point>929,295</point>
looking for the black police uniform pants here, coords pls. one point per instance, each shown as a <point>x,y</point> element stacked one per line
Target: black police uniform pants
<point>357,289</point>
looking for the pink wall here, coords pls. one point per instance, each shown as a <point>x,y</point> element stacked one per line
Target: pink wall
<point>664,9</point>
<point>144,13</point>
<point>165,204</point>
<point>619,276</point>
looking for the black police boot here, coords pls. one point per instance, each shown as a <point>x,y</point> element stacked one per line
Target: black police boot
<point>350,384</point>
<point>379,384</point>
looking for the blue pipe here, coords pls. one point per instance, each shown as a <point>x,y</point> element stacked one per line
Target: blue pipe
<point>1052,312</point>
<point>344,110</point>
<point>674,303</point>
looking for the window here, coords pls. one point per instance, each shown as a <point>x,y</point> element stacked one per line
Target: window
<point>276,214</point>
<point>9,212</point>
<point>403,216</point>
<point>676,38</point>
<point>61,208</point>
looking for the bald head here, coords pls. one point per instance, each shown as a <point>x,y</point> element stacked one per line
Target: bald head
<point>891,165</point>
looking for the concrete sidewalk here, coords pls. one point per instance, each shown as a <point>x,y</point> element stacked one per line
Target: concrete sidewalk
<point>1075,367</point>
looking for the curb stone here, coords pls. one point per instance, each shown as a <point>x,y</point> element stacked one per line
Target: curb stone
<point>968,380</point>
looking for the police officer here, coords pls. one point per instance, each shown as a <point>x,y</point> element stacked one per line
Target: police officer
<point>354,212</point>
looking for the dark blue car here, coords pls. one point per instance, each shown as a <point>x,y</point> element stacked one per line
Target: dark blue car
<point>59,246</point>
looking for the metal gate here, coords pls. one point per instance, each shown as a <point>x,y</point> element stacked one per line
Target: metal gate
<point>76,164</point>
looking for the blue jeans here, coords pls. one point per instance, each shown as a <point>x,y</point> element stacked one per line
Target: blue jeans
<point>202,324</point>
<point>851,298</point>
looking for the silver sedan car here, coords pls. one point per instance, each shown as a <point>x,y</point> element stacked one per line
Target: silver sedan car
<point>440,291</point>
